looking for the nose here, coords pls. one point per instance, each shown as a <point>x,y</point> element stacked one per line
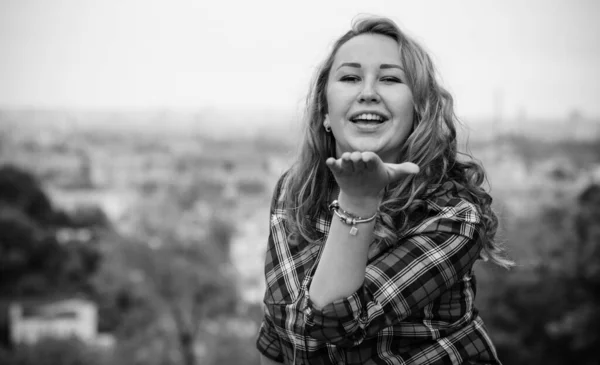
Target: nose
<point>368,94</point>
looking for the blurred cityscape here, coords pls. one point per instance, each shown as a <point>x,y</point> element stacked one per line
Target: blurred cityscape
<point>139,237</point>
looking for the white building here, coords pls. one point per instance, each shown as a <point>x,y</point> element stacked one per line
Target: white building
<point>32,321</point>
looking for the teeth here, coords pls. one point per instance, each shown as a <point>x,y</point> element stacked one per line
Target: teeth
<point>369,116</point>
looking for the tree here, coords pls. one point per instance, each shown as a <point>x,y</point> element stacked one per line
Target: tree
<point>178,266</point>
<point>21,190</point>
<point>549,311</point>
<point>32,262</point>
<point>188,285</point>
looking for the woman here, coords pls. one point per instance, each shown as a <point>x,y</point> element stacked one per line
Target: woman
<point>376,227</point>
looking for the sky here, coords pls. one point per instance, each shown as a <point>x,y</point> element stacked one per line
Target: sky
<point>537,58</point>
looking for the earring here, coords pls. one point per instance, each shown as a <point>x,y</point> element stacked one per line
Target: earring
<point>326,125</point>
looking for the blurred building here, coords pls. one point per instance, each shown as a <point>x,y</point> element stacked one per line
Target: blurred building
<point>31,321</point>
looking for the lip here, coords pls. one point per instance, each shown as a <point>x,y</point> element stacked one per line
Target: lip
<point>368,128</point>
<point>383,116</point>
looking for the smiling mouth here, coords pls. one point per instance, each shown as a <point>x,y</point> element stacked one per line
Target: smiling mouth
<point>368,118</point>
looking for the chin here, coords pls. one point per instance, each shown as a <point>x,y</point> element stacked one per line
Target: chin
<point>366,147</point>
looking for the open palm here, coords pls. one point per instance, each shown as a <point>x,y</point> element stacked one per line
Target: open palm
<point>364,174</point>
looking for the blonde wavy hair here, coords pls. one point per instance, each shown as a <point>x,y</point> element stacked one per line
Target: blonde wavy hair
<point>432,145</point>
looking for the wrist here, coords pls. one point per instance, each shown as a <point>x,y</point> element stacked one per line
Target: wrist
<point>362,206</point>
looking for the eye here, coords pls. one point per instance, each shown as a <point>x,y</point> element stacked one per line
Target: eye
<point>391,79</point>
<point>350,78</point>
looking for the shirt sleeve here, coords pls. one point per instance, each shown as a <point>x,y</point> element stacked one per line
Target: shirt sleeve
<point>267,342</point>
<point>438,253</point>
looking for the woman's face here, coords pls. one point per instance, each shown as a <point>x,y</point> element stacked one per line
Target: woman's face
<point>370,107</point>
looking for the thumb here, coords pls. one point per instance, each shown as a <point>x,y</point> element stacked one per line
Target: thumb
<point>398,171</point>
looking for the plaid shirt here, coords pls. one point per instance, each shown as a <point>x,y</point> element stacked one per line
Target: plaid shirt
<point>416,305</point>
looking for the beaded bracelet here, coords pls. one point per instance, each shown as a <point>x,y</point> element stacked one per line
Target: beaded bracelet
<point>349,218</point>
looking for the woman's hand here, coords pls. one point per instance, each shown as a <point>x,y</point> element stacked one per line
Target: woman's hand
<point>363,175</point>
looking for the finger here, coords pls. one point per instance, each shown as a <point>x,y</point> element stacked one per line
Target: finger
<point>347,165</point>
<point>398,171</point>
<point>330,161</point>
<point>371,160</point>
<point>357,161</point>
<point>334,165</point>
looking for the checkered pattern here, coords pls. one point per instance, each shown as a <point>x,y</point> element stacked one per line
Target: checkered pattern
<point>416,305</point>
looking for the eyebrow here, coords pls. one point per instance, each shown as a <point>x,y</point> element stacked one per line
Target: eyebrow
<point>383,66</point>
<point>387,66</point>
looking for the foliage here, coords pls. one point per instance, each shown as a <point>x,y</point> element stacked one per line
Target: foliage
<point>232,349</point>
<point>32,261</point>
<point>158,287</point>
<point>162,285</point>
<point>22,191</point>
<point>54,351</point>
<point>548,310</point>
